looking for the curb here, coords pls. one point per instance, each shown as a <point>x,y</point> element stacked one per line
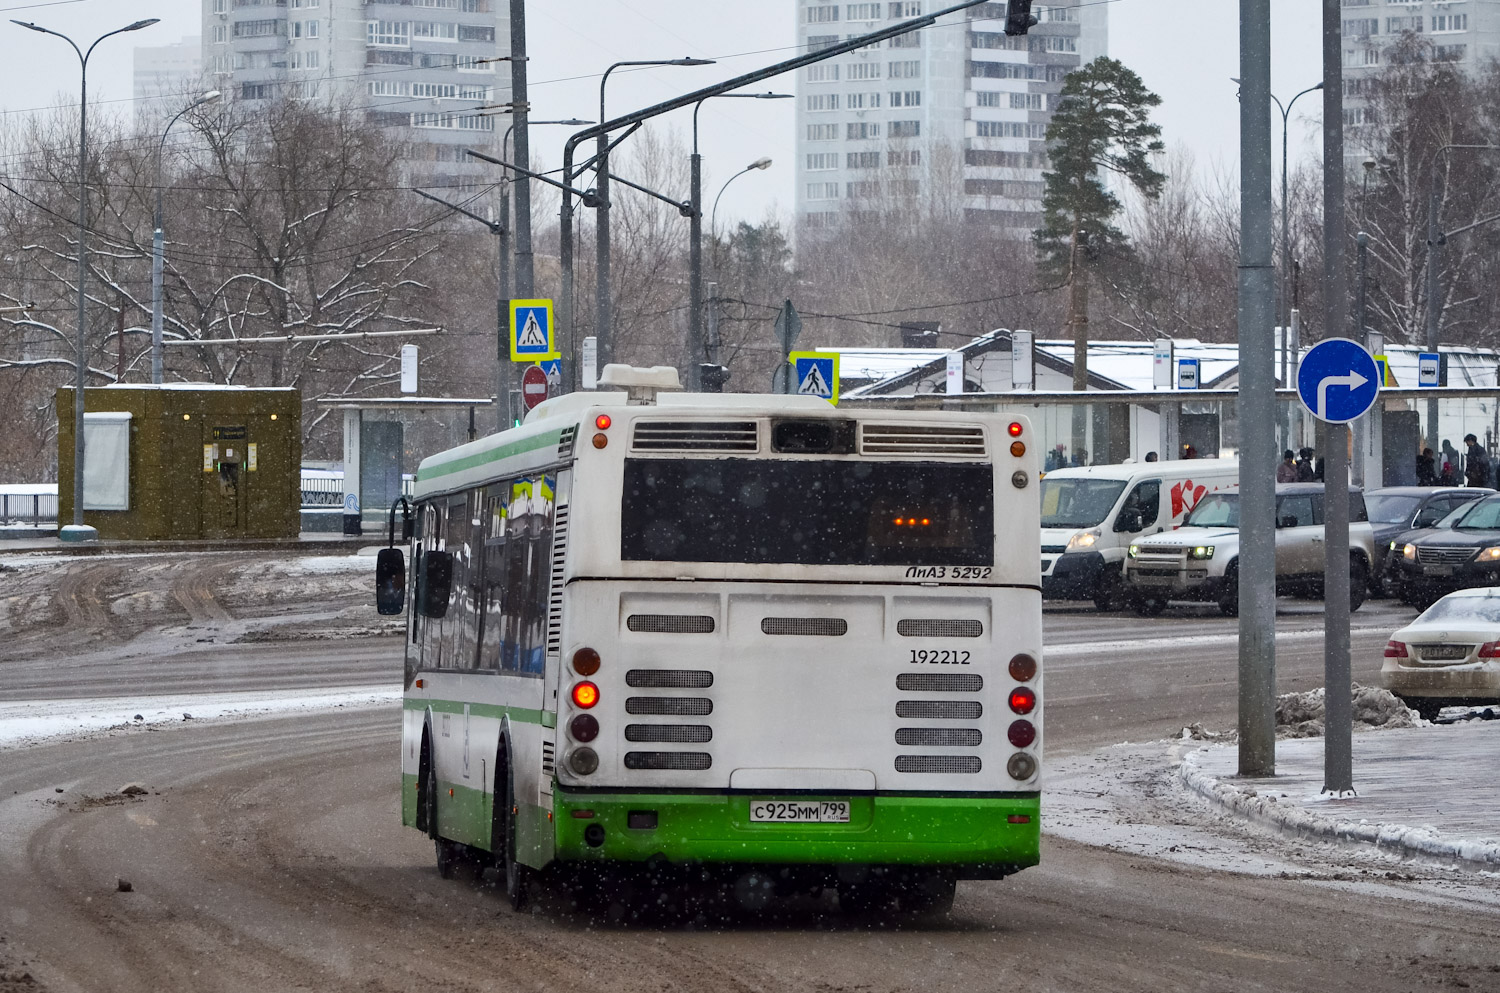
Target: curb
<point>55,546</point>
<point>1291,817</point>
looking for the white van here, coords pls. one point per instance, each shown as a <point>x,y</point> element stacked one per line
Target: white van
<point>1092,514</point>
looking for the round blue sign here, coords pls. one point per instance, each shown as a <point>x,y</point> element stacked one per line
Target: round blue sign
<point>1338,380</point>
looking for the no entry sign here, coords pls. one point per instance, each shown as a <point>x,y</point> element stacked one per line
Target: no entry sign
<point>533,386</point>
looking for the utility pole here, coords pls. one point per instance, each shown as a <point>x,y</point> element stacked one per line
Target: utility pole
<point>1257,296</point>
<point>1338,773</point>
<point>524,273</point>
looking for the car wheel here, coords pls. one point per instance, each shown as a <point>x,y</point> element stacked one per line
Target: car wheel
<point>1108,591</point>
<point>1148,606</point>
<point>1426,708</point>
<point>1229,594</point>
<point>1359,583</point>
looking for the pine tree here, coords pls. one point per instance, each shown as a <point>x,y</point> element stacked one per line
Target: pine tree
<point>1102,125</point>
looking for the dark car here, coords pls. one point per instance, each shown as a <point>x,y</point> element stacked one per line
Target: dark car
<point>1396,510</point>
<point>1463,555</point>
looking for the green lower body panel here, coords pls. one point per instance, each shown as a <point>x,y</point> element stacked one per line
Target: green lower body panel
<point>985,831</point>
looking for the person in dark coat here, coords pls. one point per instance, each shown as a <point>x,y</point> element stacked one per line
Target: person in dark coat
<point>1305,473</point>
<point>1449,474</point>
<point>1426,468</point>
<point>1477,463</point>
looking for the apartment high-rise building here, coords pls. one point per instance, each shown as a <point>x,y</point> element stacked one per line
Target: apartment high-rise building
<point>1463,33</point>
<point>420,67</point>
<point>958,111</point>
<point>164,74</point>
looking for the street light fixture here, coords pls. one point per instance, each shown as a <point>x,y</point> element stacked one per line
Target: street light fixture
<point>695,235</point>
<point>79,532</point>
<point>603,317</point>
<point>158,241</point>
<point>711,346</point>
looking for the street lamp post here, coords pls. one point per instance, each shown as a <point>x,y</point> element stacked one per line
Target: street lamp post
<point>81,533</point>
<point>505,181</point>
<point>695,236</point>
<point>713,229</point>
<point>158,241</point>
<point>602,316</point>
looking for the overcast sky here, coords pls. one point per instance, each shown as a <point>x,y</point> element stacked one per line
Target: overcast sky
<point>1186,50</point>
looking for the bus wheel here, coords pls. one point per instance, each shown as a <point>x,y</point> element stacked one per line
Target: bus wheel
<point>451,857</point>
<point>426,790</point>
<point>931,893</point>
<point>517,876</point>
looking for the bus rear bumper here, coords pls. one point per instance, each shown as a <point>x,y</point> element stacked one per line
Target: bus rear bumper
<point>977,837</point>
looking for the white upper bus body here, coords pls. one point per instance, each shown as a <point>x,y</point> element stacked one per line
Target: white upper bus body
<point>782,597</point>
<point>1092,514</point>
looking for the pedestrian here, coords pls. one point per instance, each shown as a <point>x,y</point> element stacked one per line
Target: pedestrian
<point>1449,474</point>
<point>1189,452</point>
<point>1476,464</point>
<point>1150,456</point>
<point>1305,473</point>
<point>1287,471</point>
<point>1426,468</point>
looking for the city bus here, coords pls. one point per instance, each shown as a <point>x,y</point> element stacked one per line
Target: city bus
<point>745,635</point>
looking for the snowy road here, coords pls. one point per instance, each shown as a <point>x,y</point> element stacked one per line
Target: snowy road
<point>266,854</point>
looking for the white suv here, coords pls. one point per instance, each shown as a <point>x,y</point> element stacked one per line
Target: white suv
<point>1200,560</point>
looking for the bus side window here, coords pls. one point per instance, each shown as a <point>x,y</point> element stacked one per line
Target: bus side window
<point>496,508</point>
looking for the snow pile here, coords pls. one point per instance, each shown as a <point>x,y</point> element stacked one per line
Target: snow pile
<point>1277,810</point>
<point>1300,715</point>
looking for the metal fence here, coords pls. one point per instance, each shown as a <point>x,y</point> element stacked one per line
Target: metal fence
<point>21,504</point>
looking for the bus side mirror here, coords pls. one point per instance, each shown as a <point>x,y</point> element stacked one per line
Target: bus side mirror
<point>437,582</point>
<point>408,527</point>
<point>390,581</point>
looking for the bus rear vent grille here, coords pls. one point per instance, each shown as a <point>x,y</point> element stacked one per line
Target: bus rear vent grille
<point>670,623</point>
<point>677,734</point>
<point>939,710</point>
<point>940,764</point>
<point>820,626</point>
<point>938,627</point>
<point>940,682</point>
<point>671,679</point>
<point>565,443</point>
<point>549,758</point>
<point>669,706</point>
<point>695,436</point>
<point>920,439</point>
<point>951,737</point>
<point>555,594</point>
<point>690,761</point>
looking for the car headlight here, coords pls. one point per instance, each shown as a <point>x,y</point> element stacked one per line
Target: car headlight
<point>1083,539</point>
<point>1203,552</point>
<point>1491,554</point>
<point>1133,551</point>
<point>1409,552</point>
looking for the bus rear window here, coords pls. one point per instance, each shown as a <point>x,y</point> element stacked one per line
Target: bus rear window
<point>760,511</point>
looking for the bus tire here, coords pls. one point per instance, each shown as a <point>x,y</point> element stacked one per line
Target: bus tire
<point>516,875</point>
<point>426,789</point>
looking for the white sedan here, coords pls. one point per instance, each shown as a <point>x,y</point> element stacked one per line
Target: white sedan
<point>1449,656</point>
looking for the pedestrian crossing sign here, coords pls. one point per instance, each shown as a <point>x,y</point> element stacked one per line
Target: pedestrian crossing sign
<point>531,331</point>
<point>815,374</point>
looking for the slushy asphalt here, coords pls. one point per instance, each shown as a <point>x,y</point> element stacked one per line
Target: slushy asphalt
<point>1430,792</point>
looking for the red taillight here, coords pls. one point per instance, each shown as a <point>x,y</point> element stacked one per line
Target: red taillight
<point>1397,649</point>
<point>584,727</point>
<point>585,694</point>
<point>1016,429</point>
<point>1022,700</point>
<point>1022,668</point>
<point>585,661</point>
<point>1490,650</point>
<point>1021,733</point>
<point>602,422</point>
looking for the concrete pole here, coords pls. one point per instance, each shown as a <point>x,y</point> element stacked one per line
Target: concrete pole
<point>1257,300</point>
<point>1337,770</point>
<point>524,272</point>
<point>1434,302</point>
<point>1361,426</point>
<point>695,341</point>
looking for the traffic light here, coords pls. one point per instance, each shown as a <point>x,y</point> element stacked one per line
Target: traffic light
<point>1018,17</point>
<point>713,377</point>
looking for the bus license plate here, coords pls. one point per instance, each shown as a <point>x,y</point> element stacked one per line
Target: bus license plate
<point>800,812</point>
